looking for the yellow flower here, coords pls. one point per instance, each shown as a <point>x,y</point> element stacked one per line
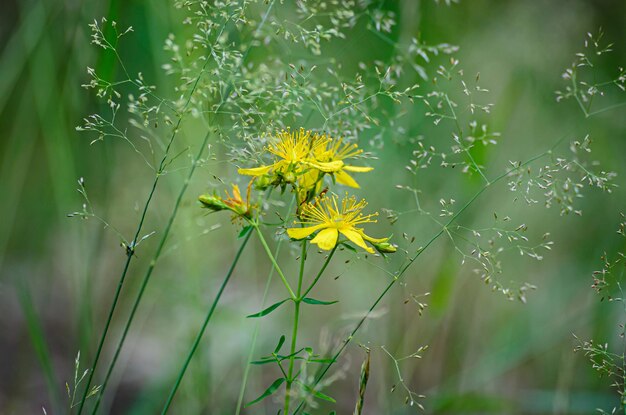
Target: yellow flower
<point>310,183</point>
<point>234,203</point>
<point>326,216</point>
<point>293,153</point>
<point>338,151</point>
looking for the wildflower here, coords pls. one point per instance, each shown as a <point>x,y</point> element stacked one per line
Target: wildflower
<point>234,203</point>
<point>327,217</point>
<point>333,151</point>
<point>293,156</point>
<point>338,151</point>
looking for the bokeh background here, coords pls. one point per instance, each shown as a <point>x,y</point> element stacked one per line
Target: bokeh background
<point>486,354</point>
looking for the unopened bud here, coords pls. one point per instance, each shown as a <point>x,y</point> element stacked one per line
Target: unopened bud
<point>289,177</point>
<point>263,182</point>
<point>385,247</point>
<point>212,202</point>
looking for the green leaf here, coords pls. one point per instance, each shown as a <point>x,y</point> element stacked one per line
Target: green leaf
<point>297,352</point>
<point>244,231</point>
<point>316,393</point>
<point>273,388</point>
<point>281,358</point>
<point>280,344</point>
<point>349,247</point>
<point>263,361</point>
<point>268,309</point>
<point>313,301</point>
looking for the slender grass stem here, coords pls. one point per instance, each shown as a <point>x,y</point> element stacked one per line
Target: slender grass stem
<point>130,251</point>
<point>207,319</point>
<point>200,334</point>
<point>170,221</point>
<point>294,333</point>
<point>150,269</point>
<point>404,268</point>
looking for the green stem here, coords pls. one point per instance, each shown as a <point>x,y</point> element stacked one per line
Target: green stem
<point>256,327</point>
<point>402,270</point>
<point>319,274</point>
<point>130,252</point>
<point>129,257</point>
<point>150,269</point>
<point>204,326</point>
<point>273,260</point>
<point>171,219</point>
<point>294,333</point>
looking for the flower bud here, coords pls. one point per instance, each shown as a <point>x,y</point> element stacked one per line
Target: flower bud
<point>263,182</point>
<point>213,202</point>
<point>385,247</point>
<point>289,177</point>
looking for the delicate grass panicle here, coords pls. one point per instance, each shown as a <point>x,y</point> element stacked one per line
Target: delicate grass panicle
<point>303,133</point>
<point>606,358</point>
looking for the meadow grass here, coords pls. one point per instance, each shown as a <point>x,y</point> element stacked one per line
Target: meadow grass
<point>516,190</point>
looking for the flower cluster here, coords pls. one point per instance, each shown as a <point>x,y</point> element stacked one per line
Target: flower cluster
<point>300,160</point>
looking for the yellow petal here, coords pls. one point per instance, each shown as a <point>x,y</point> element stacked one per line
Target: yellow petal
<point>356,238</point>
<point>301,233</point>
<point>344,178</point>
<point>327,166</point>
<point>309,178</point>
<point>236,193</point>
<point>255,171</point>
<point>358,169</point>
<point>370,239</point>
<point>326,239</point>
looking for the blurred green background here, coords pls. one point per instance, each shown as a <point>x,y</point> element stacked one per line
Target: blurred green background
<point>486,355</point>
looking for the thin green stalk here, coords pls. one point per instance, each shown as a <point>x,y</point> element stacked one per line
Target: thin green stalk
<point>319,274</point>
<point>402,270</point>
<point>131,249</point>
<point>207,319</point>
<point>273,260</point>
<point>256,327</point>
<point>148,274</point>
<point>204,325</point>
<point>171,219</point>
<point>294,333</point>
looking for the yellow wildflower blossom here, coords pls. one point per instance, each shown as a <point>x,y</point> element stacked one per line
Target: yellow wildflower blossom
<point>310,182</point>
<point>337,150</point>
<point>340,151</point>
<point>326,216</point>
<point>293,155</point>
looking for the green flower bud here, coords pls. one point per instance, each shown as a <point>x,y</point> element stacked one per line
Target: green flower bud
<point>289,177</point>
<point>213,202</point>
<point>263,182</point>
<point>385,247</point>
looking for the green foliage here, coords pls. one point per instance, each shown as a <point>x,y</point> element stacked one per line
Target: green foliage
<point>268,309</point>
<point>467,146</point>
